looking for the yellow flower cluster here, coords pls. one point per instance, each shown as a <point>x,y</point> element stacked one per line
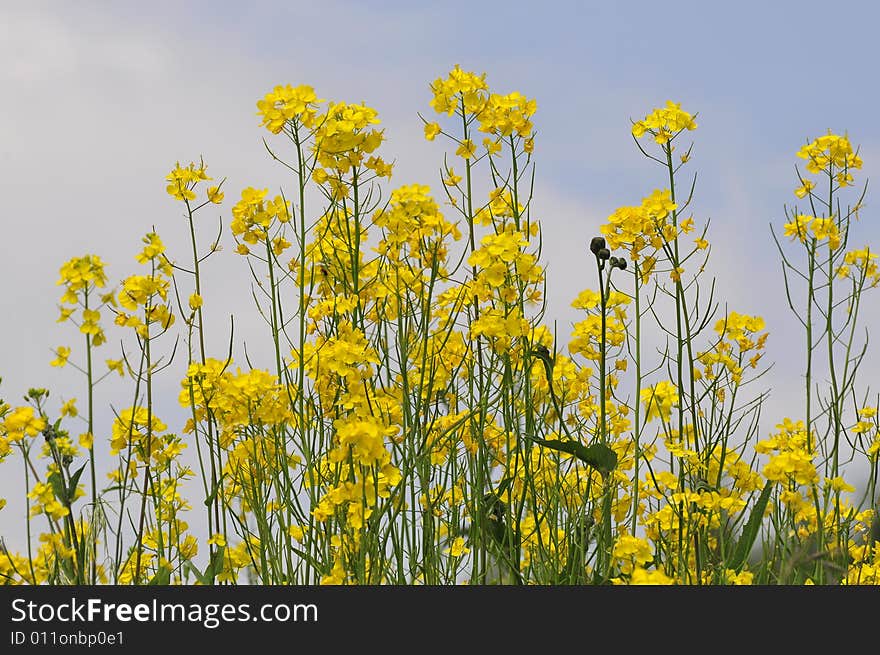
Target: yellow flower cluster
<point>659,400</point>
<point>500,208</point>
<point>742,331</point>
<point>147,292</point>
<point>664,123</point>
<point>862,261</point>
<point>82,275</point>
<point>414,228</point>
<point>821,228</point>
<point>287,104</point>
<point>342,140</point>
<point>460,91</point>
<point>182,182</point>
<point>833,154</point>
<point>792,455</point>
<point>138,429</point>
<point>641,226</point>
<point>587,334</point>
<point>501,258</point>
<point>500,326</point>
<point>44,502</point>
<point>504,115</point>
<point>237,400</point>
<point>51,554</point>
<point>336,255</point>
<point>20,423</point>
<point>253,217</point>
<point>631,552</point>
<point>79,274</point>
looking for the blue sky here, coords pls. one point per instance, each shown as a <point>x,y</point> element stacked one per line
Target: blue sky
<point>100,100</point>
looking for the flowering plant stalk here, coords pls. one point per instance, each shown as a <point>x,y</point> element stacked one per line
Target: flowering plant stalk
<point>420,421</point>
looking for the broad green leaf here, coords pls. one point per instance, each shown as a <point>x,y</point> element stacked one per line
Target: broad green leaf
<point>751,529</point>
<point>214,567</point>
<point>162,577</point>
<point>599,456</point>
<point>58,489</point>
<point>74,480</point>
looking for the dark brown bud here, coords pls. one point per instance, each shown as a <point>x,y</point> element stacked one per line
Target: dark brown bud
<point>597,244</point>
<point>603,254</point>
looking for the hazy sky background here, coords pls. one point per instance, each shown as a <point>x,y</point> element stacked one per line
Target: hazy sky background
<point>99,100</point>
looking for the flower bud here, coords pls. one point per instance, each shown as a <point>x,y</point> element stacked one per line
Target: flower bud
<point>603,254</point>
<point>597,244</point>
<point>613,262</point>
<point>621,264</point>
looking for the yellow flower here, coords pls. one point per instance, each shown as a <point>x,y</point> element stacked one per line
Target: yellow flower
<point>457,549</point>
<point>659,400</point>
<point>492,146</point>
<point>839,484</point>
<point>215,195</point>
<point>451,179</point>
<point>86,439</point>
<point>642,576</point>
<point>587,299</point>
<point>153,248</point>
<point>217,539</point>
<point>829,152</point>
<point>798,227</point>
<point>431,131</point>
<point>826,228</point>
<point>466,149</point>
<point>195,301</point>
<point>664,123</point>
<point>62,352</point>
<point>460,91</point>
<point>504,116</point>
<point>802,191</point>
<point>182,181</point>
<point>631,551</point>
<point>69,408</point>
<point>288,104</point>
<point>297,532</point>
<point>21,423</point>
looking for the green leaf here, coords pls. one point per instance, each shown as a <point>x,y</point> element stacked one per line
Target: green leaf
<point>750,530</point>
<point>74,480</point>
<point>162,577</point>
<point>598,455</point>
<point>58,488</point>
<point>504,485</point>
<point>214,567</point>
<point>189,567</point>
<point>210,499</point>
